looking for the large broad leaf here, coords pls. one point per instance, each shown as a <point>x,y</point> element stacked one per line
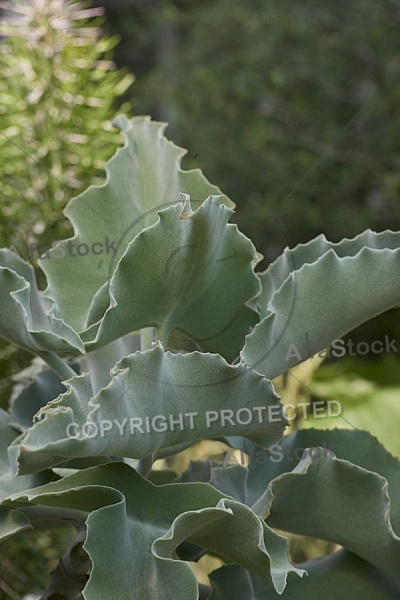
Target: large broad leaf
<point>318,292</point>
<point>155,400</point>
<point>342,575</point>
<point>143,177</point>
<point>293,259</point>
<point>192,272</point>
<point>317,495</point>
<point>23,319</point>
<point>135,527</point>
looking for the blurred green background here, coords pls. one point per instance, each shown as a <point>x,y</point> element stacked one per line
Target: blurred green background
<point>291,108</point>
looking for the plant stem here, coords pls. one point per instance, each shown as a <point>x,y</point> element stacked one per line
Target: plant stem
<point>146,338</point>
<point>59,367</point>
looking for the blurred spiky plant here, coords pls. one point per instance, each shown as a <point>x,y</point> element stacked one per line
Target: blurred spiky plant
<point>58,92</point>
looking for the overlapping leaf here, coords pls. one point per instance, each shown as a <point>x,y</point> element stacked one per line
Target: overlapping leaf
<point>147,406</point>
<point>293,259</point>
<point>10,521</point>
<point>9,483</point>
<point>23,320</point>
<point>143,178</point>
<point>351,498</point>
<point>41,386</point>
<point>317,293</point>
<point>135,527</point>
<point>201,277</point>
<point>331,578</point>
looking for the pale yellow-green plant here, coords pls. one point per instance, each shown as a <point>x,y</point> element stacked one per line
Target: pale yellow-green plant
<point>58,89</point>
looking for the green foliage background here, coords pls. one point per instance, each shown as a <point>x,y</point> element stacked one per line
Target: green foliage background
<point>58,88</point>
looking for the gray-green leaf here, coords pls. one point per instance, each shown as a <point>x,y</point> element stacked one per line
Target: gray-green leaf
<point>318,292</point>
<point>155,400</point>
<point>143,177</point>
